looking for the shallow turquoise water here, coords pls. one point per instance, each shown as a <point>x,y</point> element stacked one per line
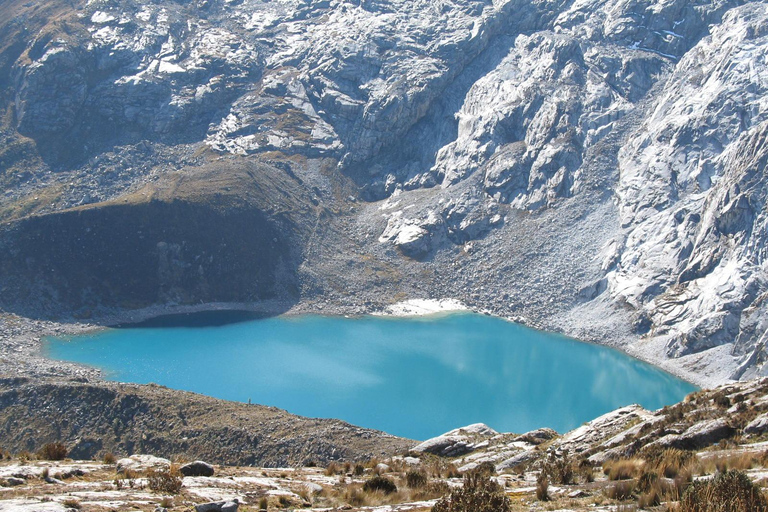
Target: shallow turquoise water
<point>411,377</point>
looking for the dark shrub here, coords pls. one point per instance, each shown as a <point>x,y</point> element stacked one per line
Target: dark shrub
<point>542,487</point>
<point>586,471</point>
<point>53,451</point>
<point>415,479</point>
<point>486,468</point>
<point>479,494</point>
<point>559,468</point>
<point>380,483</point>
<point>731,491</point>
<point>721,400</point>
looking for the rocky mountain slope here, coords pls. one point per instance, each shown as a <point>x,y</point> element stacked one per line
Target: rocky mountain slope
<point>96,418</point>
<point>628,459</point>
<point>592,167</point>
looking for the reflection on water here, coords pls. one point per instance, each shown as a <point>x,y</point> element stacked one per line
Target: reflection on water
<point>411,377</point>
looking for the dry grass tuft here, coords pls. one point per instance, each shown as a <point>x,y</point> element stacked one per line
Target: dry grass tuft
<point>623,469</point>
<point>71,503</point>
<point>53,451</point>
<point>415,479</point>
<point>621,490</point>
<point>724,462</point>
<point>731,491</point>
<point>166,481</point>
<point>542,487</point>
<point>479,494</point>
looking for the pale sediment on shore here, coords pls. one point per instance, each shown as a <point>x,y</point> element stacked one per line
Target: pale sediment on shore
<point>422,307</point>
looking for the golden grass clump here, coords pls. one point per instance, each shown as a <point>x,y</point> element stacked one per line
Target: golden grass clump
<point>623,469</point>
<point>731,491</point>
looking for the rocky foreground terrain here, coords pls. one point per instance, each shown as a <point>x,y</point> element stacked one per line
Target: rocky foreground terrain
<point>628,459</point>
<point>95,418</point>
<point>593,167</point>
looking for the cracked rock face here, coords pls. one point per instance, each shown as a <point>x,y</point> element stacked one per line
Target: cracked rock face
<point>594,167</point>
<point>692,194</point>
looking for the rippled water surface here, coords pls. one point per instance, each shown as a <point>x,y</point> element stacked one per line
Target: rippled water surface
<point>411,377</point>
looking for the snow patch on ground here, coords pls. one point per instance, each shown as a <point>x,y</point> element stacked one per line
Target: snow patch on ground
<point>421,307</point>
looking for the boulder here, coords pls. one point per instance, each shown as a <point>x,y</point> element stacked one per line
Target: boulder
<point>698,435</point>
<point>312,487</point>
<point>197,468</point>
<point>12,481</point>
<point>667,441</point>
<point>537,436</point>
<point>520,458</point>
<point>599,458</point>
<point>478,429</point>
<point>446,446</point>
<point>413,241</point>
<point>758,425</point>
<point>218,506</point>
<point>705,433</point>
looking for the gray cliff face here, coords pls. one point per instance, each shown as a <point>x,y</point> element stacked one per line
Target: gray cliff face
<point>594,167</point>
<point>692,192</point>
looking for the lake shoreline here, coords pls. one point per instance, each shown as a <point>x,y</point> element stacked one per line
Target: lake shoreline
<point>22,354</point>
<point>469,367</point>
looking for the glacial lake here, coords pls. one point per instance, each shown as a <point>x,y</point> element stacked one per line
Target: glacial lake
<point>412,377</point>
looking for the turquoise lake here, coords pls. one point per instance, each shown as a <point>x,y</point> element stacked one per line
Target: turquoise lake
<point>412,377</point>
